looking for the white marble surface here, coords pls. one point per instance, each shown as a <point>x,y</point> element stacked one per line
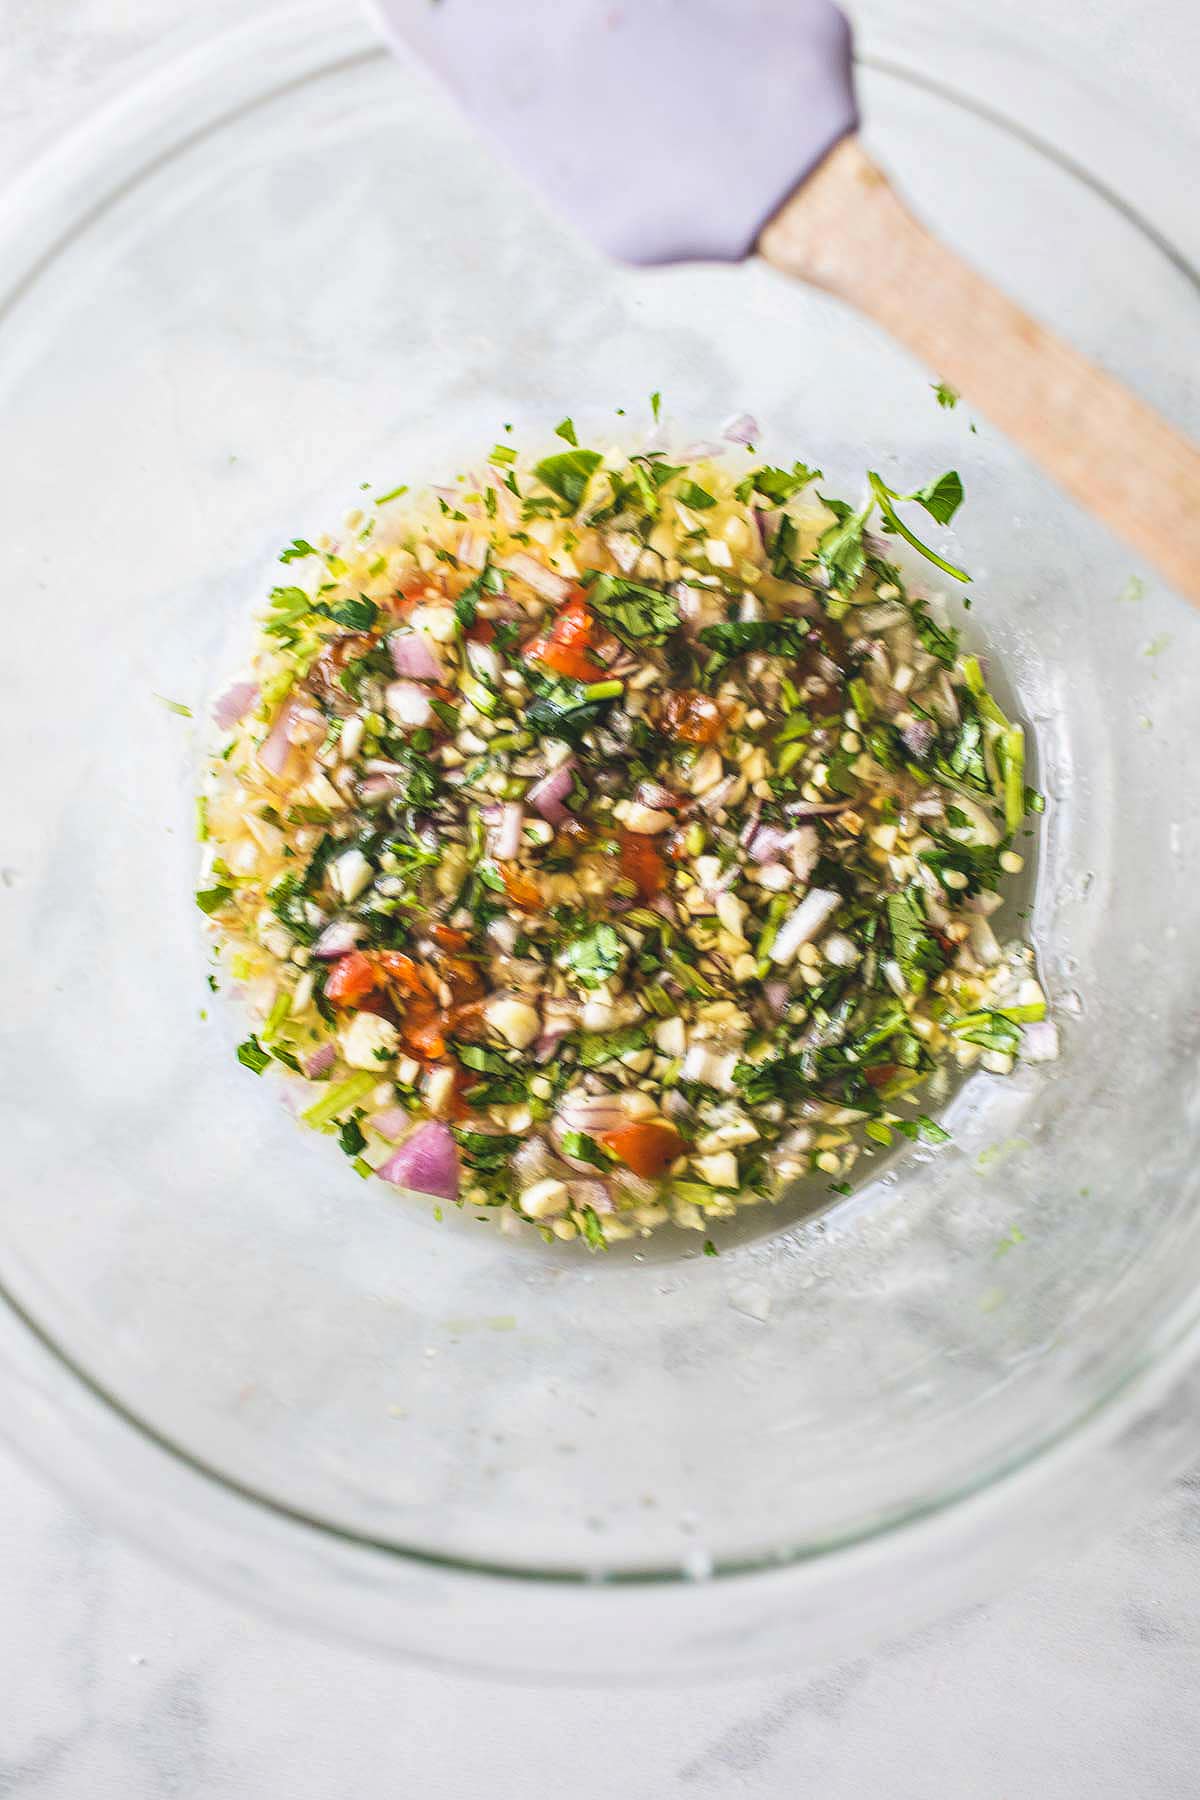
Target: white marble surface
<point>119,1679</point>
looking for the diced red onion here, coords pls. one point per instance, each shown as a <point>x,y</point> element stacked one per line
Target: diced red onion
<point>508,834</point>
<point>276,747</point>
<point>675,1106</point>
<point>800,927</point>
<point>814,809</point>
<point>655,795</point>
<point>776,994</point>
<point>743,428</point>
<point>338,939</point>
<point>547,795</point>
<point>472,549</point>
<point>702,451</point>
<point>751,826</point>
<point>425,1163</point>
<point>235,703</point>
<point>533,1160</point>
<point>918,736</point>
<point>690,602</point>
<point>507,510</point>
<point>316,1063</point>
<point>663,904</point>
<point>591,1112</point>
<point>536,575</point>
<point>624,549</point>
<point>412,656</point>
<point>714,800</point>
<point>766,844</point>
<point>503,933</point>
<point>634,1187</point>
<point>376,788</point>
<point>766,521</point>
<point>408,704</point>
<point>391,1123</point>
<point>591,1193</point>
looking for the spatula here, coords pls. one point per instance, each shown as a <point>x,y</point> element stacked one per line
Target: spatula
<point>677,130</point>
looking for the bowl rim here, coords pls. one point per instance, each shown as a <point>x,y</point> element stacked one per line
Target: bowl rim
<point>127,138</point>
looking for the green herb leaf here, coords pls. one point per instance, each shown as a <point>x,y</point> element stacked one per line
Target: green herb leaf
<point>840,549</point>
<point>597,1048</point>
<point>939,642</point>
<point>565,429</point>
<point>252,1056</point>
<point>352,1138</point>
<point>778,637</point>
<point>356,615</point>
<point>781,485</point>
<point>941,498</point>
<point>698,498</point>
<point>593,1231</point>
<point>946,395</point>
<point>568,475</point>
<point>595,955</point>
<point>915,948</point>
<point>296,550</point>
<point>927,496</point>
<point>656,405</point>
<point>585,1149</point>
<point>637,613</point>
<point>209,899</point>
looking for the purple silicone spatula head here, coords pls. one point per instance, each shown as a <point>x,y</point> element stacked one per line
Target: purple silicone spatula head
<point>667,130</point>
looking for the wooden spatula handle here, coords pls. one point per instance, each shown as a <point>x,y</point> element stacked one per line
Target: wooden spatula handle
<point>847,231</point>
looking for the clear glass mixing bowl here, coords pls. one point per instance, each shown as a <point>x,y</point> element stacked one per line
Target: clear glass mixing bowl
<point>284,268</point>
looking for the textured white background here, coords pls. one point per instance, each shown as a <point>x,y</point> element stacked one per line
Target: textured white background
<point>117,1679</point>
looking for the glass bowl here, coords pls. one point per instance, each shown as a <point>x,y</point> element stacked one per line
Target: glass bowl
<point>284,268</point>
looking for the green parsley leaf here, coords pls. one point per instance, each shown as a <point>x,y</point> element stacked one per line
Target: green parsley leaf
<point>781,485</point>
<point>710,1249</point>
<point>840,549</point>
<point>561,709</point>
<point>916,950</point>
<point>593,1231</point>
<point>656,405</point>
<point>698,498</point>
<point>568,475</point>
<point>940,643</point>
<point>941,498</point>
<point>637,613</point>
<point>946,395</point>
<point>595,955</point>
<point>585,1149</point>
<point>352,1138</point>
<point>937,494</point>
<point>932,1133</point>
<point>209,899</point>
<point>252,1056</point>
<point>296,550</point>
<point>597,1048</point>
<point>778,637</point>
<point>356,615</point>
<point>565,429</point>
